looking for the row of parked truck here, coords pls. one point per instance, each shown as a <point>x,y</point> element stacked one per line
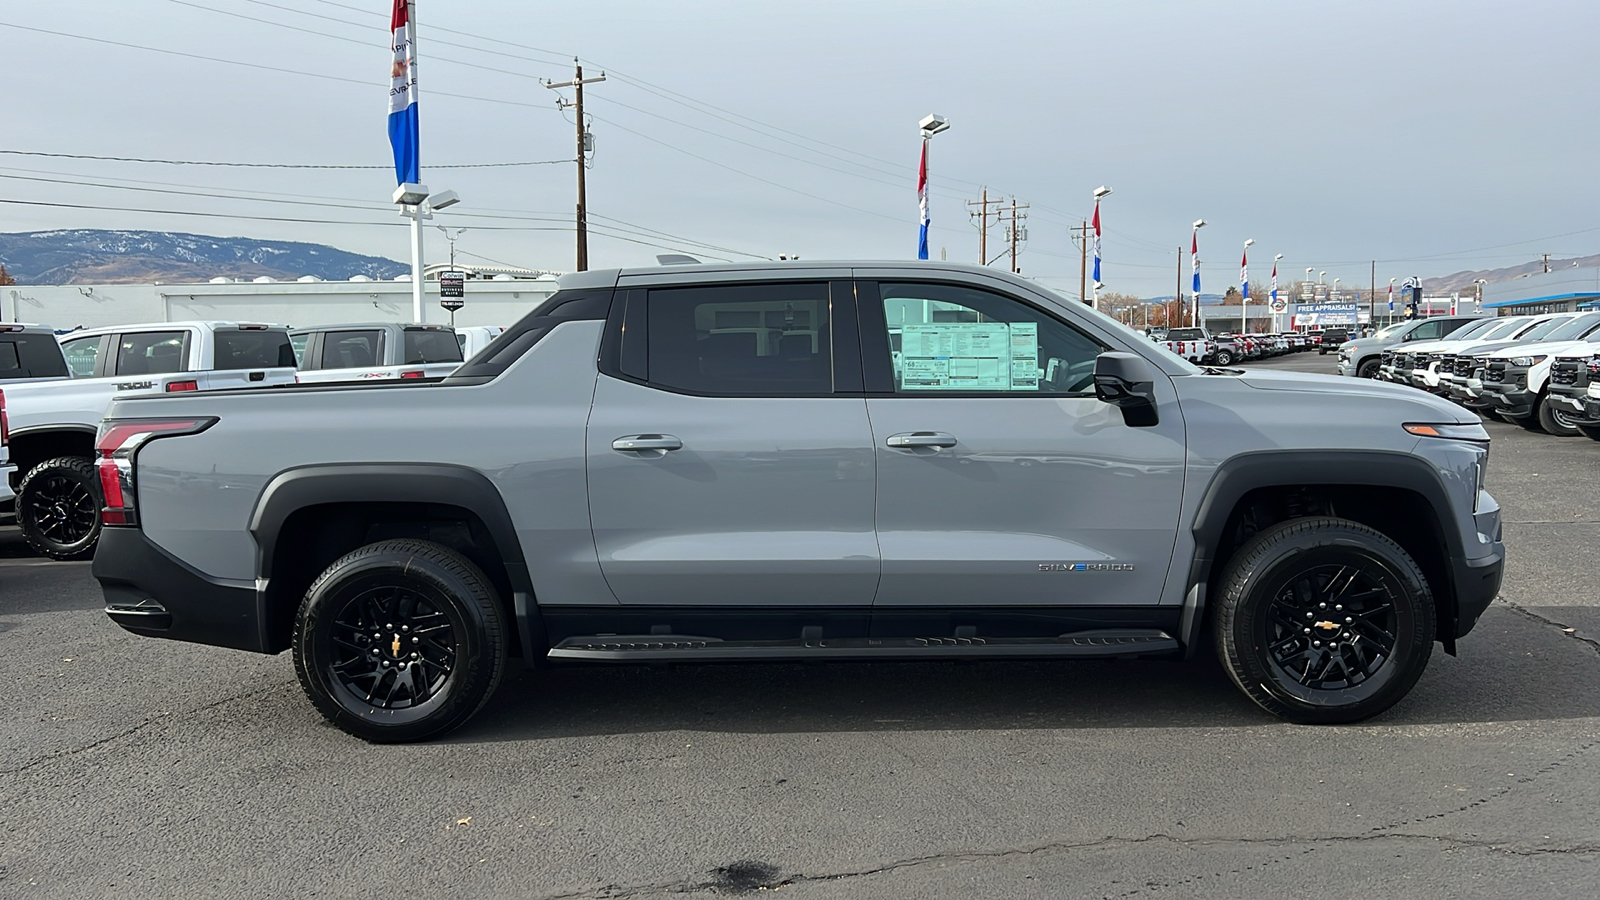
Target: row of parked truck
<point>1539,371</point>
<point>1202,348</point>
<point>54,391</point>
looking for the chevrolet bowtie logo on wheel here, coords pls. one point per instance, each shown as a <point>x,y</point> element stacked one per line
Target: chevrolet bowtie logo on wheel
<point>1328,626</point>
<point>394,648</point>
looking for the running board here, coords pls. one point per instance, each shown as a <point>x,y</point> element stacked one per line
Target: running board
<point>636,648</point>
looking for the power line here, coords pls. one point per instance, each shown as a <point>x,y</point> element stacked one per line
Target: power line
<point>253,165</point>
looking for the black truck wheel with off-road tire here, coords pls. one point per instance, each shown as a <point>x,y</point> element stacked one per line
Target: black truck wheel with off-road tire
<point>1556,422</point>
<point>1324,620</point>
<point>400,640</point>
<point>1369,369</point>
<point>58,508</point>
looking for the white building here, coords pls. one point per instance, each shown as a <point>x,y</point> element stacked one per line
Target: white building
<point>492,299</point>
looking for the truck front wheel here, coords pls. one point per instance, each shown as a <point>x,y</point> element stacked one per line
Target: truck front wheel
<point>1324,620</point>
<point>1368,369</point>
<point>58,508</point>
<point>401,640</point>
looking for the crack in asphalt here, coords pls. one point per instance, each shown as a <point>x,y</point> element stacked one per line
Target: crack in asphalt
<point>1566,630</point>
<point>71,752</point>
<point>774,882</point>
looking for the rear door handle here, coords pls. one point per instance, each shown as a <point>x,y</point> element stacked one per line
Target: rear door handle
<point>907,439</point>
<point>647,442</point>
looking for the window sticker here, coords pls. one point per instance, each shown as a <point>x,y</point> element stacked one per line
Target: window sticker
<point>970,356</point>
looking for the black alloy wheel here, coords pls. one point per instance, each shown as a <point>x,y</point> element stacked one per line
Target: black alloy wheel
<point>400,640</point>
<point>58,508</point>
<point>1368,369</point>
<point>1324,620</point>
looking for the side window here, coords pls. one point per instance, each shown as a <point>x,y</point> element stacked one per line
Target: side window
<point>151,352</point>
<point>82,353</point>
<point>350,349</point>
<point>947,338</point>
<point>298,342</point>
<point>10,360</point>
<point>770,339</point>
<point>1427,331</point>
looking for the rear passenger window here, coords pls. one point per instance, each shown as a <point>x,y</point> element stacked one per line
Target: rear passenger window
<point>298,342</point>
<point>770,339</point>
<point>151,352</point>
<point>351,349</point>
<point>254,350</point>
<point>431,346</point>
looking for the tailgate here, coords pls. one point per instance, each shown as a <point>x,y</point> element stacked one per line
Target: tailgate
<point>222,379</point>
<point>379,373</point>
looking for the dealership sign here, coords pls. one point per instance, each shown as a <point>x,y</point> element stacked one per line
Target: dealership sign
<point>1310,314</point>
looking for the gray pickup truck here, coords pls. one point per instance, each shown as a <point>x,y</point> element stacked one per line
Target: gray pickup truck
<point>803,461</point>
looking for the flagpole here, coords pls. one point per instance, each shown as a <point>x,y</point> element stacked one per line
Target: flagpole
<point>418,310</point>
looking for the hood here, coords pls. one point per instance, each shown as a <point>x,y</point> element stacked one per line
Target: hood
<point>1432,347</point>
<point>1485,348</point>
<point>1436,409</point>
<point>1551,348</point>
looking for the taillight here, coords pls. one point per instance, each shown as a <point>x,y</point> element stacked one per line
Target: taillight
<point>174,387</point>
<point>411,374</point>
<point>115,446</point>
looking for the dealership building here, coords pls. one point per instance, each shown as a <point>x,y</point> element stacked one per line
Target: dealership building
<point>1563,290</point>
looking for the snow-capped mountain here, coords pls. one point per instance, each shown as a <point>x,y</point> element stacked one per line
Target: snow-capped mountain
<point>87,255</point>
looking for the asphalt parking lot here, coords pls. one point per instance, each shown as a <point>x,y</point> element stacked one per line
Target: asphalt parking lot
<point>142,768</point>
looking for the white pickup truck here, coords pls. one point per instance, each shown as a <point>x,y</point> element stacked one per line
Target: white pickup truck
<point>51,424</point>
<point>27,353</point>
<point>379,351</point>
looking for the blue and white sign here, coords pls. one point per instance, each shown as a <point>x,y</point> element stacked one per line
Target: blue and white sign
<point>1309,314</point>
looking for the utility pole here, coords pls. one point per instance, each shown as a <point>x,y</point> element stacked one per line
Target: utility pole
<point>983,223</point>
<point>1015,234</point>
<point>584,143</point>
<point>1372,298</point>
<point>1178,297</point>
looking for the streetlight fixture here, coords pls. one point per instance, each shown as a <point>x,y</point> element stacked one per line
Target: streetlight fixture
<point>1479,283</point>
<point>417,204</point>
<point>930,125</point>
<point>1194,261</point>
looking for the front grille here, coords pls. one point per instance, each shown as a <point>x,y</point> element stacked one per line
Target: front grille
<point>1387,358</point>
<point>1494,372</point>
<point>1565,371</point>
<point>1420,360</point>
<point>1465,366</point>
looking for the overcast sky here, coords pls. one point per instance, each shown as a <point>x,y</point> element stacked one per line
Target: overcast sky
<point>1430,136</point>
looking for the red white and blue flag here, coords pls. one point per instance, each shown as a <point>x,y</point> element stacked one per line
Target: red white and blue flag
<point>1244,274</point>
<point>403,130</point>
<point>1274,282</point>
<point>1097,281</point>
<point>922,201</point>
<point>1194,261</point>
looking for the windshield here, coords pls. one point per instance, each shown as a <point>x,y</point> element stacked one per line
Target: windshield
<point>1575,329</point>
<point>1389,330</point>
<point>1186,334</point>
<point>1504,329</point>
<point>1473,330</point>
<point>1539,331</point>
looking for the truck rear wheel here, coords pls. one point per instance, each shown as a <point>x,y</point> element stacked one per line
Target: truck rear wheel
<point>1324,620</point>
<point>58,508</point>
<point>400,640</point>
<point>1224,357</point>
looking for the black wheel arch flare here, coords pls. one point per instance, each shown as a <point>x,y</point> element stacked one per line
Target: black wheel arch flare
<point>1240,475</point>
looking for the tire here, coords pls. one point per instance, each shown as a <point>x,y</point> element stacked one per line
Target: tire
<point>1264,591</point>
<point>58,508</point>
<point>1554,421</point>
<point>417,591</point>
<point>1224,358</point>
<point>1368,369</point>
<point>1592,432</point>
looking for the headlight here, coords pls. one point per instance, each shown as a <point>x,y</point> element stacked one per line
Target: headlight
<point>1473,431</point>
<point>1526,361</point>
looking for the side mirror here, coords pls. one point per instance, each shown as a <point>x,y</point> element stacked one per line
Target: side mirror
<point>1127,381</point>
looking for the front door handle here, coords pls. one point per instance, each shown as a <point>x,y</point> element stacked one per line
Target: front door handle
<point>907,439</point>
<point>647,442</point>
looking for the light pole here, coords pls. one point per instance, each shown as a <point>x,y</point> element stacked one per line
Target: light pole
<point>1099,193</point>
<point>930,125</point>
<point>1244,287</point>
<point>1194,262</point>
<point>1479,283</point>
<point>417,204</point>
<point>1334,295</point>
<point>1277,320</point>
<point>1390,315</point>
